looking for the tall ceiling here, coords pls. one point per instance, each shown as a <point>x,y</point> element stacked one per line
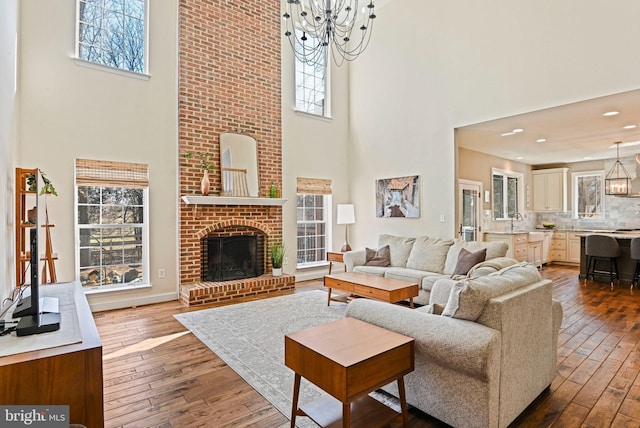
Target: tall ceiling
<point>573,132</point>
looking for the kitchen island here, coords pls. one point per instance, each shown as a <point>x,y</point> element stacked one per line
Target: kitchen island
<point>626,265</point>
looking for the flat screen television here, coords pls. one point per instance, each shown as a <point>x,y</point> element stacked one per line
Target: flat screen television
<point>32,319</point>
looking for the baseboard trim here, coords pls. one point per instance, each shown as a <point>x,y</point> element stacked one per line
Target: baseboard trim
<point>129,302</point>
<point>308,276</point>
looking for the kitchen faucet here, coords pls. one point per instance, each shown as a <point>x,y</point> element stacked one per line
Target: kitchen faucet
<point>515,216</point>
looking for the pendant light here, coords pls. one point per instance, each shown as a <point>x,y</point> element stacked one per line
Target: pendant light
<point>617,182</point>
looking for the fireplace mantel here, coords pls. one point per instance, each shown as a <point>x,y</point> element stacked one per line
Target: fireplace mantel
<point>231,200</point>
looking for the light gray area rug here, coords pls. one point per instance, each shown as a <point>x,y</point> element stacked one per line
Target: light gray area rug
<point>249,337</point>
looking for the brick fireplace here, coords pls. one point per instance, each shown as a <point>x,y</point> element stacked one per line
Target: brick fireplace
<point>229,80</point>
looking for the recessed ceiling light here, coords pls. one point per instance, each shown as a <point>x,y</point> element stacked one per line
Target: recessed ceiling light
<point>541,140</point>
<point>629,126</point>
<point>611,113</point>
<point>506,134</point>
<point>587,158</point>
<point>519,158</point>
<point>517,130</point>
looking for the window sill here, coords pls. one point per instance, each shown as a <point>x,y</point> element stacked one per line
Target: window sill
<point>312,265</point>
<point>120,71</point>
<point>312,116</point>
<point>113,288</point>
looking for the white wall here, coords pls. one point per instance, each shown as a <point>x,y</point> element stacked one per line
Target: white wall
<point>8,141</point>
<point>70,111</point>
<point>434,66</point>
<point>313,148</point>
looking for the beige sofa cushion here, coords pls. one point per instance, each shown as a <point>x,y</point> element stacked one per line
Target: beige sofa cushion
<point>399,248</point>
<point>494,249</point>
<point>468,297</point>
<point>429,254</point>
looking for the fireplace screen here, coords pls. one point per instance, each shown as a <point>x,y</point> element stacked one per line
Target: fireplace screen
<point>234,257</point>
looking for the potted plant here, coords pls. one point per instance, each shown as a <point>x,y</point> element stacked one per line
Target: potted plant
<point>48,187</point>
<point>277,257</point>
<point>205,165</point>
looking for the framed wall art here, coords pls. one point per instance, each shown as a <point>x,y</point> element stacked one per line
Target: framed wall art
<point>398,197</point>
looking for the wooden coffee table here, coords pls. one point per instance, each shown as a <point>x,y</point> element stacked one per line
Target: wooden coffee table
<point>348,359</point>
<point>371,286</point>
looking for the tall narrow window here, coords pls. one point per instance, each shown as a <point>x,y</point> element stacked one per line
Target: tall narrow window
<point>588,194</point>
<point>311,83</point>
<point>313,212</point>
<point>111,223</point>
<point>112,33</point>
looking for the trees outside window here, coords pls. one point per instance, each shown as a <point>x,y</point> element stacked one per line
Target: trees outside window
<point>112,33</point>
<point>588,194</point>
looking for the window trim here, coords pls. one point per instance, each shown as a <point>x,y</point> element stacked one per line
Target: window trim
<point>144,75</point>
<point>328,211</point>
<point>519,187</point>
<point>574,196</point>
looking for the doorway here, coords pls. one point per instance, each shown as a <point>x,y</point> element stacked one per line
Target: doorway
<point>469,206</point>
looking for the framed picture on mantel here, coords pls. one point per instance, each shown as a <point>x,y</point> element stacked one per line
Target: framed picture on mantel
<point>398,197</point>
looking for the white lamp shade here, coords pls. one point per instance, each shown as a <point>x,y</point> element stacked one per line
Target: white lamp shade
<point>346,214</point>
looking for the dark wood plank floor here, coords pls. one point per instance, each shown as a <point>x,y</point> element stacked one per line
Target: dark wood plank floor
<point>157,374</point>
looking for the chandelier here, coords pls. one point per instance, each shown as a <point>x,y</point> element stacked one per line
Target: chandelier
<point>617,181</point>
<point>312,26</point>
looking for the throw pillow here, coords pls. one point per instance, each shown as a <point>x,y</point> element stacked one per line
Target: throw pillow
<point>467,260</point>
<point>382,257</point>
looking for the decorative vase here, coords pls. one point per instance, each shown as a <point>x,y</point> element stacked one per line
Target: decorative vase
<point>276,272</point>
<point>205,184</point>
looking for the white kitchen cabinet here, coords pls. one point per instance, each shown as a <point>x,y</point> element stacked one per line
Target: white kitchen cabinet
<point>550,190</point>
<point>546,247</point>
<point>558,252</point>
<point>573,243</point>
<point>518,244</point>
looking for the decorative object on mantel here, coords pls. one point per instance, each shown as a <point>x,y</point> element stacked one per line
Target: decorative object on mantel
<point>398,197</point>
<point>205,165</point>
<point>277,256</point>
<point>346,215</point>
<point>617,181</point>
<point>314,27</point>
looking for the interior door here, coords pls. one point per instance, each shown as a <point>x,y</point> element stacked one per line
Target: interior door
<point>469,206</point>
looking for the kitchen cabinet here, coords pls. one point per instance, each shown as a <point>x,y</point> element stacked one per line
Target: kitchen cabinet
<point>546,247</point>
<point>550,190</point>
<point>558,251</point>
<point>573,244</point>
<point>518,244</point>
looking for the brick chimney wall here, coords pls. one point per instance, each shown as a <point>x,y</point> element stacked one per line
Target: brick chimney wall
<point>229,80</point>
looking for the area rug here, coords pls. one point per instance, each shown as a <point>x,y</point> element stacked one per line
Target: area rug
<point>249,337</point>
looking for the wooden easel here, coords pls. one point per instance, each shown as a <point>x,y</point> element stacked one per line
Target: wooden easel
<point>48,254</point>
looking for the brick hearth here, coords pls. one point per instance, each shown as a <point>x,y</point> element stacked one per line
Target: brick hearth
<point>229,80</point>
<point>241,289</point>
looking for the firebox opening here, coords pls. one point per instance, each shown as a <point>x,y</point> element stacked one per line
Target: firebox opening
<point>233,257</point>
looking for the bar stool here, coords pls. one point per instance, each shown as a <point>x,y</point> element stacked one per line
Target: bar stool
<point>602,248</point>
<point>635,255</point>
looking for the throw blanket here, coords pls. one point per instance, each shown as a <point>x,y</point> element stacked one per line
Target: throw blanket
<point>489,266</point>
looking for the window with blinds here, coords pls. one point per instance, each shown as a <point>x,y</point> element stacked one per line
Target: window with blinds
<point>111,223</point>
<point>313,216</point>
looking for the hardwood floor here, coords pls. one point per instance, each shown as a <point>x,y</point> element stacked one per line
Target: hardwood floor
<point>157,374</point>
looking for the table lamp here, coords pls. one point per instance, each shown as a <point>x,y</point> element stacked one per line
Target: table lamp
<point>346,215</point>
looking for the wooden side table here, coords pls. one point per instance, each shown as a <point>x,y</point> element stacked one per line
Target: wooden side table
<point>335,257</point>
<point>348,359</point>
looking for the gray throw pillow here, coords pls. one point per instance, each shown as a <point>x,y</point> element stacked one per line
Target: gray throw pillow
<point>467,260</point>
<point>382,257</point>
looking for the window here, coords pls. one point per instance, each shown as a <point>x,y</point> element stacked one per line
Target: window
<point>112,33</point>
<point>311,82</point>
<point>588,194</point>
<point>313,224</point>
<point>313,217</point>
<point>111,223</point>
<point>506,193</point>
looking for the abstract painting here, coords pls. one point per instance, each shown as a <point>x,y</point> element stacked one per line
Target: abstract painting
<point>398,197</point>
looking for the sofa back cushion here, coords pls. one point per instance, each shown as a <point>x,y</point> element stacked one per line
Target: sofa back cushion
<point>494,249</point>
<point>429,254</point>
<point>468,297</point>
<point>399,248</point>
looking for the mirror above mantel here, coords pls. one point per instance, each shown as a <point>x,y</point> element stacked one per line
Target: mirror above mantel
<point>239,165</point>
